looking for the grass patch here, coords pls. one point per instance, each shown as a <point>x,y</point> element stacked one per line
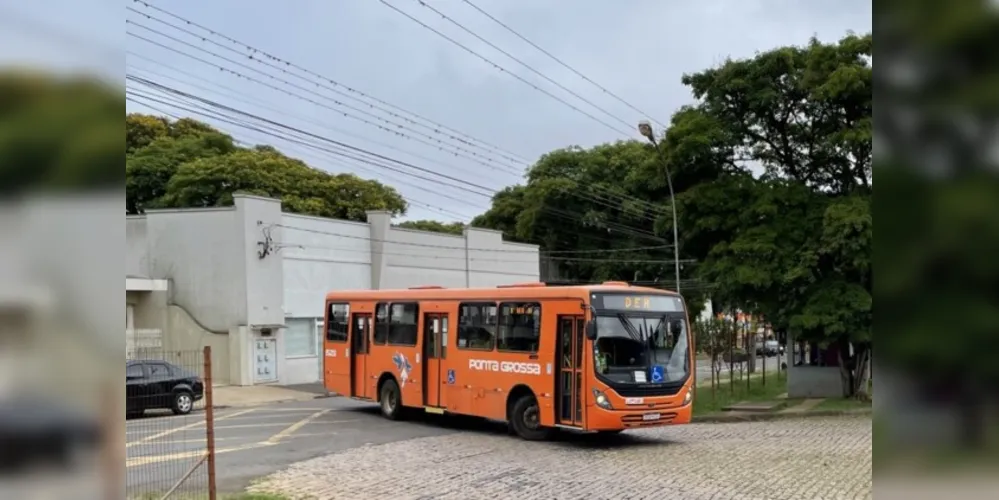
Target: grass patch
<point>842,404</point>
<point>705,403</point>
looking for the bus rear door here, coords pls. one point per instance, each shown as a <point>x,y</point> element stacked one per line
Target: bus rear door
<point>360,336</point>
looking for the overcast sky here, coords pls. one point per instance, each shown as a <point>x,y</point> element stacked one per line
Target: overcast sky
<point>637,49</point>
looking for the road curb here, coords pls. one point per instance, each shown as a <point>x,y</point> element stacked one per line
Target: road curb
<point>275,401</point>
<point>720,418</point>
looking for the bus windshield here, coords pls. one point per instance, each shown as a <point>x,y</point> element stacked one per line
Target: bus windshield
<point>640,349</point>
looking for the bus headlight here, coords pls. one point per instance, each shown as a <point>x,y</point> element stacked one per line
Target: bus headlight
<point>602,400</point>
<point>688,397</point>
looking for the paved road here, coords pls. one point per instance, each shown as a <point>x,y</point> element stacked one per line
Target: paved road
<point>337,448</point>
<point>254,442</point>
<point>788,459</point>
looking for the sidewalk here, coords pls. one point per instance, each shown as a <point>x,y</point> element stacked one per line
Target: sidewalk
<point>230,396</point>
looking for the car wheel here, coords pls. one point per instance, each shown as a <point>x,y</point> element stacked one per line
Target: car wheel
<point>525,418</point>
<point>390,399</point>
<point>183,403</point>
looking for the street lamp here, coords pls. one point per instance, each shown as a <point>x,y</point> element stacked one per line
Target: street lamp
<point>645,128</point>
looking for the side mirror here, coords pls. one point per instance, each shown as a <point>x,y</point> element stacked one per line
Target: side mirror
<point>676,327</point>
<point>591,330</point>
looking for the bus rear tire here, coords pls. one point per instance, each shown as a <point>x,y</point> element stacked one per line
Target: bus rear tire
<point>390,399</point>
<point>525,419</point>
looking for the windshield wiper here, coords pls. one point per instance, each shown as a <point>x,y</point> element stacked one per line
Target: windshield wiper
<point>630,328</point>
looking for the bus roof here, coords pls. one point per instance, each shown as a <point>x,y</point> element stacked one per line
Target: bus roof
<point>533,290</point>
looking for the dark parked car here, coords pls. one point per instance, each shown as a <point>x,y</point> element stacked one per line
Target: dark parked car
<point>153,384</point>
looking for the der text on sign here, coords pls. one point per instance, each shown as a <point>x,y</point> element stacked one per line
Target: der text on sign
<point>637,303</point>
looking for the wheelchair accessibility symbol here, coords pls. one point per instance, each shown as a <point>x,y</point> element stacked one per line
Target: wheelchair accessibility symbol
<point>450,377</point>
<point>658,374</point>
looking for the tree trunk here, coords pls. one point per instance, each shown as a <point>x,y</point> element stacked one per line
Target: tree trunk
<point>845,376</point>
<point>862,371</point>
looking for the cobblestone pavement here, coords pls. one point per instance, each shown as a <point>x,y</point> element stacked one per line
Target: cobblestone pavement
<point>783,459</point>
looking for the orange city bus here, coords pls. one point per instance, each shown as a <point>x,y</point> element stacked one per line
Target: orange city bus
<point>601,358</point>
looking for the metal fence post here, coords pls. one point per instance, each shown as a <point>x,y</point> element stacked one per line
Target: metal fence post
<point>209,422</point>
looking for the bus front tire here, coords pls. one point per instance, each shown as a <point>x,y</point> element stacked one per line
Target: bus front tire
<point>525,419</point>
<point>390,399</point>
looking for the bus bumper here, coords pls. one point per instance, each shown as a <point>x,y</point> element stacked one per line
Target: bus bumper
<point>600,419</point>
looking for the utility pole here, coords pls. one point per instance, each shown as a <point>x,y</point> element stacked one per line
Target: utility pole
<point>645,128</point>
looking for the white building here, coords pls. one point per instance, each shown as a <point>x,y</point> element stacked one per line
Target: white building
<point>250,281</point>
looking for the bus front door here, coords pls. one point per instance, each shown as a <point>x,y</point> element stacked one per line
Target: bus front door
<point>569,385</point>
<point>360,333</point>
<point>434,329</point>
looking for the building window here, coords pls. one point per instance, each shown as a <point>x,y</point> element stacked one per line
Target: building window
<point>477,326</point>
<point>519,327</point>
<point>300,337</point>
<point>402,324</point>
<point>337,322</point>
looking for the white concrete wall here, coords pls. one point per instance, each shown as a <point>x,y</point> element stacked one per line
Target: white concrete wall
<point>403,258</point>
<point>236,270</point>
<point>319,261</point>
<point>198,252</point>
<point>320,255</point>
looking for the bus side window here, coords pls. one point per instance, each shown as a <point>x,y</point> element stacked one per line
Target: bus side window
<point>381,323</point>
<point>336,322</point>
<point>402,324</point>
<point>477,326</point>
<point>519,327</point>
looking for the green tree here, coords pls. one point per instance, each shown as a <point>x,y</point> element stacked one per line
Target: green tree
<point>795,243</point>
<point>142,129</point>
<point>190,164</point>
<point>590,200</point>
<point>457,228</point>
<point>150,168</point>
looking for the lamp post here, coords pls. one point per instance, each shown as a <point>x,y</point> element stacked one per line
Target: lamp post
<point>645,128</point>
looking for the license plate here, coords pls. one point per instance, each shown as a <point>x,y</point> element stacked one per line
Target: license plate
<point>650,416</point>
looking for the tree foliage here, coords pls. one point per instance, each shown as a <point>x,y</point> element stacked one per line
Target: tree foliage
<point>772,172</point>
<point>187,163</point>
<point>456,228</point>
<point>793,243</point>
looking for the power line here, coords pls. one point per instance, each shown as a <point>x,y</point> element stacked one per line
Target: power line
<point>309,134</point>
<point>241,97</point>
<point>332,151</point>
<point>458,151</point>
<point>572,217</point>
<point>561,62</point>
<point>609,196</point>
<point>462,248</point>
<point>435,126</point>
<point>522,63</point>
<point>591,197</point>
<point>214,114</point>
<point>504,70</point>
<point>142,100</point>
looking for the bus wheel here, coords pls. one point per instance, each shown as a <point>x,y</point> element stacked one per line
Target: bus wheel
<point>525,418</point>
<point>391,400</point>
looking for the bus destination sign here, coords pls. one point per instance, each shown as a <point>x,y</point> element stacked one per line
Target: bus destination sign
<point>627,302</point>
